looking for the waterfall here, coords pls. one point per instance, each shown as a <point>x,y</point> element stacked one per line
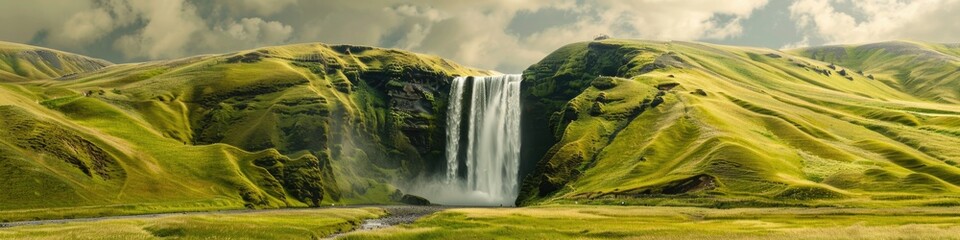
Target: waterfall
<point>488,110</point>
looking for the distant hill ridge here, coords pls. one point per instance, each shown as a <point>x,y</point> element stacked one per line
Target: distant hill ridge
<point>24,62</point>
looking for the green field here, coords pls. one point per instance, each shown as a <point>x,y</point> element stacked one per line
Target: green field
<point>615,222</point>
<point>544,222</point>
<point>287,224</point>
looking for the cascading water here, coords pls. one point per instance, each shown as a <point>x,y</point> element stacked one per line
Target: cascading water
<point>483,142</point>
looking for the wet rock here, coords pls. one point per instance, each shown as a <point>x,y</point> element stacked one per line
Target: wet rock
<point>414,200</point>
<point>396,196</point>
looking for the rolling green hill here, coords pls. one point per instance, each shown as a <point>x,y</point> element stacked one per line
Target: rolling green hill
<point>298,125</point>
<point>20,62</point>
<point>683,123</point>
<point>926,70</point>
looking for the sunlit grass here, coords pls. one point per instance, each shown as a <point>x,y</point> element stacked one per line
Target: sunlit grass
<point>287,224</point>
<point>615,222</point>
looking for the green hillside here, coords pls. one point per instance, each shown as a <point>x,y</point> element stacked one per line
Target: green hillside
<point>20,62</point>
<point>926,70</point>
<point>298,125</point>
<point>683,123</point>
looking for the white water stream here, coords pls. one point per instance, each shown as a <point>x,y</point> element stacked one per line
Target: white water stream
<point>483,135</point>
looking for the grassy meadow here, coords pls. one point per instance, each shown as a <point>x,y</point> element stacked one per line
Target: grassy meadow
<point>276,224</point>
<point>540,222</point>
<point>627,222</point>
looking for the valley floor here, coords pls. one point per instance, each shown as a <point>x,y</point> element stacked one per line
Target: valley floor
<point>544,222</point>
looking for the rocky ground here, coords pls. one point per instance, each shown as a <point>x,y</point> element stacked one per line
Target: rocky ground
<point>400,215</point>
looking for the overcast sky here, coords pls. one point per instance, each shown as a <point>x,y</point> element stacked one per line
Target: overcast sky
<point>505,35</point>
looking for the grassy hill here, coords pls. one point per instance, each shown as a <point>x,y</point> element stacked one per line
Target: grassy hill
<point>926,70</point>
<point>298,125</point>
<point>20,62</point>
<point>684,123</point>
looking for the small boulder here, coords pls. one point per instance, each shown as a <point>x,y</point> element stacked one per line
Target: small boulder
<point>603,83</point>
<point>699,92</point>
<point>396,196</point>
<point>602,97</point>
<point>597,109</point>
<point>656,102</point>
<point>414,200</point>
<point>667,86</point>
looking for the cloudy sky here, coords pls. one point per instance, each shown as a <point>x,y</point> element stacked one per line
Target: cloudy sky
<point>505,35</point>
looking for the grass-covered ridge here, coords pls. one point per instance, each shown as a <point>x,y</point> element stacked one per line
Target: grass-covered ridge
<point>926,70</point>
<point>288,126</point>
<point>682,123</point>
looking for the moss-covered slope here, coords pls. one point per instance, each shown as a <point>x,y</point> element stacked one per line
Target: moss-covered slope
<point>697,124</point>
<point>298,125</point>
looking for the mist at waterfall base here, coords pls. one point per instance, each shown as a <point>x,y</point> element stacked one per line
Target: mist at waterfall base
<point>482,144</point>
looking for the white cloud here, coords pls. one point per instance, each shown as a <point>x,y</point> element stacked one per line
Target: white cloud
<point>87,26</point>
<point>257,30</point>
<point>265,7</point>
<point>174,29</point>
<point>805,42</point>
<point>471,33</point>
<point>170,27</point>
<point>20,21</point>
<point>878,20</point>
